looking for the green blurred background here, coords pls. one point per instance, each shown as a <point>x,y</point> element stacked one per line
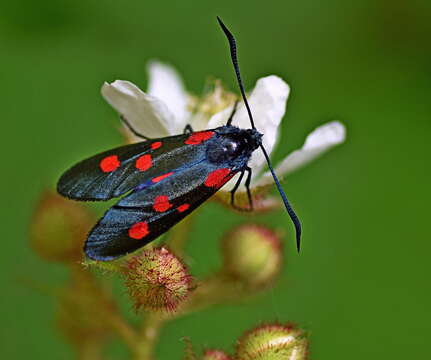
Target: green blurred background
<point>361,284</point>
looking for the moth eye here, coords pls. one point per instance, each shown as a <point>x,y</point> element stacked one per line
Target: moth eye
<point>231,147</point>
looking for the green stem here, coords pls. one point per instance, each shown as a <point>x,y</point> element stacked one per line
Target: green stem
<point>113,317</point>
<point>124,330</point>
<point>214,290</point>
<point>148,336</point>
<point>91,350</point>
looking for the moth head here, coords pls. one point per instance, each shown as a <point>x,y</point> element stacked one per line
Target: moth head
<point>233,145</point>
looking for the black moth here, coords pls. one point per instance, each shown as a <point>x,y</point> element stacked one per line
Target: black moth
<point>166,179</point>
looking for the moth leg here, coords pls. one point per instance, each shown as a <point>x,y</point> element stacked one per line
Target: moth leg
<point>247,186</point>
<point>233,191</point>
<point>188,129</point>
<point>130,127</point>
<point>229,121</point>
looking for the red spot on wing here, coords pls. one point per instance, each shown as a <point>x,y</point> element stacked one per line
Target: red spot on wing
<point>109,163</point>
<point>161,203</point>
<point>199,137</point>
<point>139,230</point>
<point>144,162</point>
<point>217,177</point>
<point>156,145</point>
<point>161,177</point>
<point>183,207</point>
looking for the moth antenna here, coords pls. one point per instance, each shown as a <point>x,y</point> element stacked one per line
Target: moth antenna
<point>232,44</point>
<point>290,211</point>
<point>289,208</point>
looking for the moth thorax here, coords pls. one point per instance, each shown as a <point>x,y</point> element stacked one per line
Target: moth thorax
<point>234,145</point>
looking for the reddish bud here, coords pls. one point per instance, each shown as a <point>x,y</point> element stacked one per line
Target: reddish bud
<point>157,280</point>
<point>59,228</point>
<point>213,354</point>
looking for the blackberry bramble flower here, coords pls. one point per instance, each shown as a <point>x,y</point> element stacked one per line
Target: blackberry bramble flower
<point>166,108</point>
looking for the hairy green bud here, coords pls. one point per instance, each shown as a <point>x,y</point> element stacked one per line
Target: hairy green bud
<point>157,280</point>
<point>253,254</point>
<point>273,342</point>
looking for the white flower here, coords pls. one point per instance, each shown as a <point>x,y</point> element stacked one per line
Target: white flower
<point>165,109</point>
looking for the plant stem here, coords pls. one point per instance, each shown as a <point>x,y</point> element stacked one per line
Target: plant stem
<point>91,350</point>
<point>216,289</point>
<point>148,336</point>
<point>124,330</point>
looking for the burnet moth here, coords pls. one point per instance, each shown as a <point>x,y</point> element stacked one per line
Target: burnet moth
<point>165,180</point>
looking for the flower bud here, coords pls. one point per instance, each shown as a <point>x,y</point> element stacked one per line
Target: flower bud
<point>59,228</point>
<point>213,354</point>
<point>252,253</point>
<point>157,280</point>
<point>273,342</point>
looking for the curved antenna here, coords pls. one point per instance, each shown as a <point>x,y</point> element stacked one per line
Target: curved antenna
<point>290,211</point>
<point>232,44</point>
<point>289,208</point>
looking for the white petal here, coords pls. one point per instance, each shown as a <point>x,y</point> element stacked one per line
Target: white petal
<point>268,105</point>
<point>319,141</point>
<point>147,114</point>
<point>165,84</point>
